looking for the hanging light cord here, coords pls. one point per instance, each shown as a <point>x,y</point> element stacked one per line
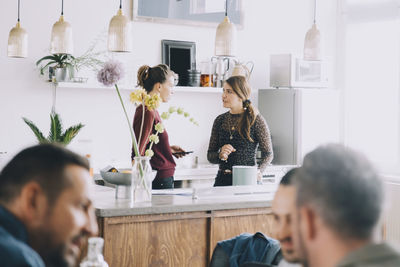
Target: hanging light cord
<point>18,10</point>
<point>120,4</point>
<point>315,10</point>
<point>62,7</point>
<point>226,8</point>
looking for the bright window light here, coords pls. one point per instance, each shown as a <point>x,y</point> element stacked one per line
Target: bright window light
<point>372,68</point>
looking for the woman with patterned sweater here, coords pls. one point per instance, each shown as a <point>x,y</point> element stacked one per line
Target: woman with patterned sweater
<point>156,80</point>
<point>236,134</point>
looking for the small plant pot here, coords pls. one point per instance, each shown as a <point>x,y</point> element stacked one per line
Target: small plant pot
<point>62,74</point>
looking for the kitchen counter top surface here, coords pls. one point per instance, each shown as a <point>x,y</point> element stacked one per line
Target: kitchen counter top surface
<point>184,200</point>
<point>203,171</point>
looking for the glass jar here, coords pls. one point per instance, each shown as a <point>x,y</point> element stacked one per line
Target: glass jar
<point>206,77</point>
<point>142,178</point>
<point>193,78</point>
<point>94,257</point>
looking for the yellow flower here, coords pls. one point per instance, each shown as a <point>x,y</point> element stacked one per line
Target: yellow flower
<point>165,115</point>
<point>154,138</point>
<point>149,153</point>
<point>159,127</point>
<point>138,95</point>
<point>180,110</point>
<point>186,114</point>
<point>152,102</point>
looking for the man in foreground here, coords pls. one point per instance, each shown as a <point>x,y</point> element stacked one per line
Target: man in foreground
<point>46,210</point>
<point>339,202</point>
<point>283,205</point>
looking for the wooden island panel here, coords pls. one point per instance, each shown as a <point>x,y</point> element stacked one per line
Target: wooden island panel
<point>176,239</point>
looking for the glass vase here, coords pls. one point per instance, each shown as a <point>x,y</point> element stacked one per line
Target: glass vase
<point>142,178</point>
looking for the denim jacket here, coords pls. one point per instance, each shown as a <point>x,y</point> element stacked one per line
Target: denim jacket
<point>251,248</point>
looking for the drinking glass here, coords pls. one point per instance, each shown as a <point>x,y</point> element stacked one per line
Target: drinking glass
<point>206,77</point>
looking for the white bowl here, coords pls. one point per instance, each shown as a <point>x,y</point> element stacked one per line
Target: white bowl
<point>117,178</point>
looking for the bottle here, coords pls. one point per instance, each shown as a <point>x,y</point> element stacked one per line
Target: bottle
<point>94,257</point>
<point>88,156</point>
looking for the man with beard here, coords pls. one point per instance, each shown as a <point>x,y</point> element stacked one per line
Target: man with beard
<point>45,207</point>
<point>339,202</point>
<point>283,205</point>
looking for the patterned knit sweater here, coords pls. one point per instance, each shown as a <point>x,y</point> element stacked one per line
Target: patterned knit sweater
<point>245,153</point>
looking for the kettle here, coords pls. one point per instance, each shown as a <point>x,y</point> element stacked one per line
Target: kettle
<point>243,69</point>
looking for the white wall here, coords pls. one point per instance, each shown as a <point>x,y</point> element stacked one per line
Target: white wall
<point>269,27</point>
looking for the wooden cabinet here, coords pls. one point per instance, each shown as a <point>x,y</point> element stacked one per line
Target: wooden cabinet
<point>176,239</point>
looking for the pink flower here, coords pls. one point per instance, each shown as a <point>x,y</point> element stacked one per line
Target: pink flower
<point>111,73</point>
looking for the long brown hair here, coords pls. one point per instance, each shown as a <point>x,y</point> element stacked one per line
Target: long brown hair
<point>242,89</point>
<point>148,76</point>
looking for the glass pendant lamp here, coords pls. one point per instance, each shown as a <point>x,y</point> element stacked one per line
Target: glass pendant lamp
<point>61,36</point>
<point>225,37</point>
<point>312,42</point>
<point>17,40</point>
<point>119,33</point>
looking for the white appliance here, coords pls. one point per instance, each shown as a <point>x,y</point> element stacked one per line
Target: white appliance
<point>299,120</point>
<point>288,71</point>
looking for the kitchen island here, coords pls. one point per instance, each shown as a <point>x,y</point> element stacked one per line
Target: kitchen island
<point>179,227</point>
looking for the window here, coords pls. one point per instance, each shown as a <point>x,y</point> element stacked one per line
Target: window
<point>371,50</point>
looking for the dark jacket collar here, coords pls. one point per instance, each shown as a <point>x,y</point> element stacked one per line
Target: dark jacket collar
<point>13,225</point>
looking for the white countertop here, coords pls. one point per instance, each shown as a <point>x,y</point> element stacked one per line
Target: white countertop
<point>182,200</point>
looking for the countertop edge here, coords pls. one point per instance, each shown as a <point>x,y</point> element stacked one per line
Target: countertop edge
<point>105,213</point>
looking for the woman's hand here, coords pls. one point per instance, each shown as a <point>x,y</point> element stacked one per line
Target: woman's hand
<point>177,149</point>
<point>225,151</point>
<point>259,177</point>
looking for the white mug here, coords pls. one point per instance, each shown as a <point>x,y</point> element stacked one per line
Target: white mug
<point>244,175</point>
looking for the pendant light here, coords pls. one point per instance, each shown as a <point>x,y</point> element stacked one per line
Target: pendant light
<point>17,40</point>
<point>119,33</point>
<point>225,37</point>
<point>312,42</point>
<point>61,36</point>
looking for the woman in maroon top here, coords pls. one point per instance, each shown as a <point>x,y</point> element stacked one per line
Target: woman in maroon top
<point>156,80</point>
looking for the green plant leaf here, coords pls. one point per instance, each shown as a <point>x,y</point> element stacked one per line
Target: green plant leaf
<point>45,66</point>
<point>46,58</point>
<point>55,135</point>
<point>70,133</point>
<point>58,60</point>
<point>55,128</point>
<point>35,130</point>
<point>70,68</point>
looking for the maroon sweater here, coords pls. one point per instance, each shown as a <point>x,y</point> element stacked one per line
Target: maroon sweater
<point>162,161</point>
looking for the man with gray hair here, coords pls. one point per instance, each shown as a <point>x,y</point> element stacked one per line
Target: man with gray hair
<point>339,202</point>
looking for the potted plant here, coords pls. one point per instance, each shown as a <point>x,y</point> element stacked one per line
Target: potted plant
<point>60,66</point>
<point>56,134</point>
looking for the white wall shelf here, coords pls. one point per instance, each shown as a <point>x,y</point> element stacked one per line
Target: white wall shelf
<point>184,89</point>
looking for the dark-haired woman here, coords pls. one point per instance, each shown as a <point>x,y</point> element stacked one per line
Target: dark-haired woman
<point>160,80</point>
<point>236,134</point>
